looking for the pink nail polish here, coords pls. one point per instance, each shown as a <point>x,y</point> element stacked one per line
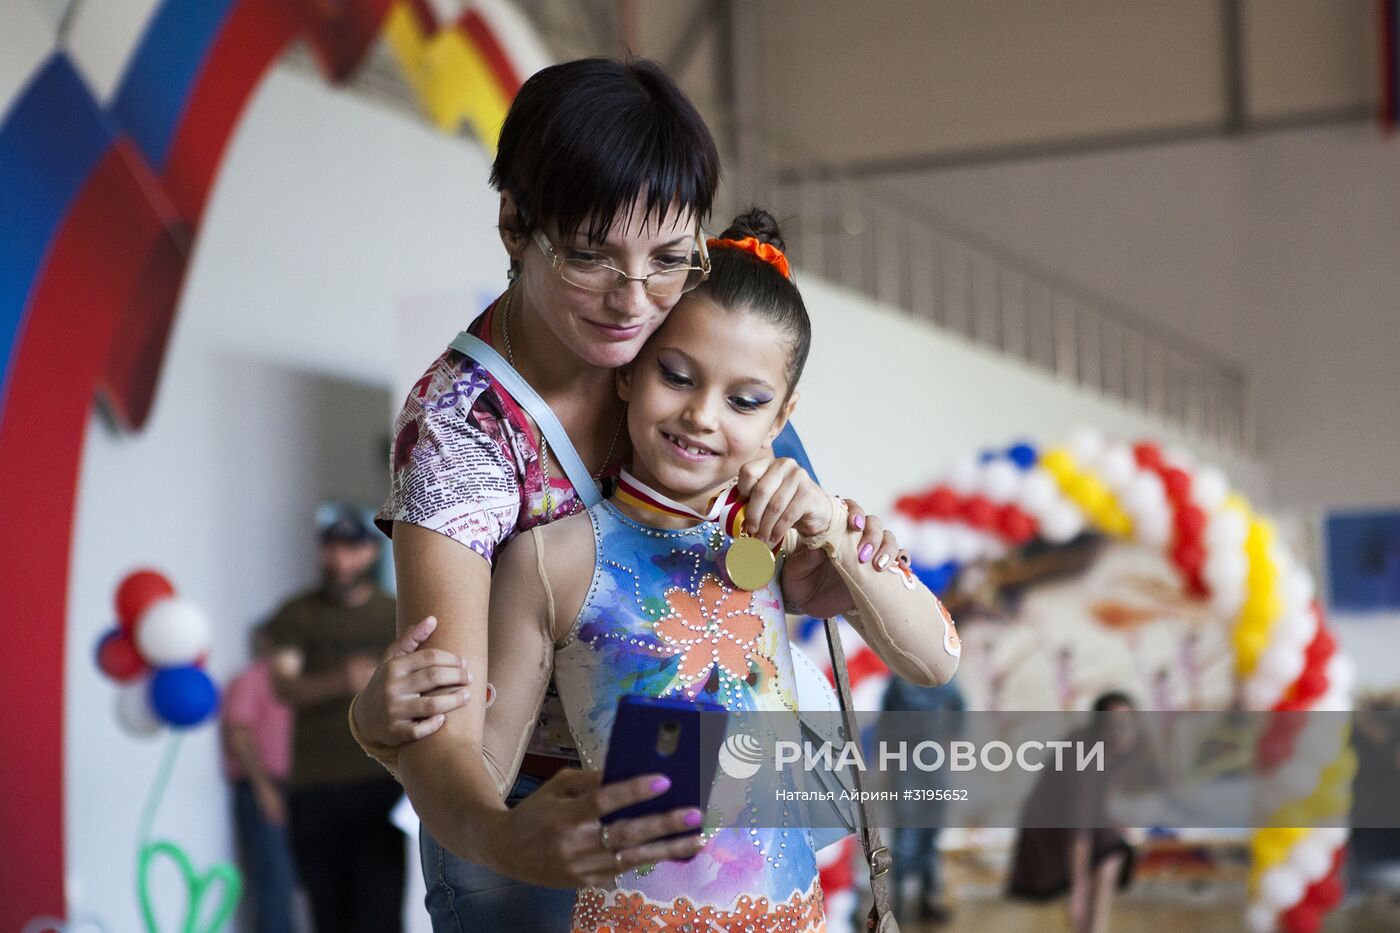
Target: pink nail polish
<point>660,785</point>
<point>858,521</point>
<point>865,553</point>
<point>694,818</point>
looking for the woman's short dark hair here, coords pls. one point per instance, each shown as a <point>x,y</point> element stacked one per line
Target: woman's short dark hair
<point>739,279</point>
<point>584,139</point>
<point>1106,701</point>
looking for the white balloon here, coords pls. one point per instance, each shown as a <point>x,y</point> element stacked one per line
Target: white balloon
<point>1261,918</point>
<point>965,543</point>
<point>1039,492</point>
<point>132,707</point>
<point>931,544</point>
<point>1145,495</point>
<point>1301,588</point>
<point>1209,488</point>
<point>1154,529</point>
<point>1000,481</point>
<point>1226,530</point>
<point>172,631</point>
<point>962,478</point>
<point>1332,836</point>
<point>1262,693</point>
<point>1118,466</point>
<point>1312,858</point>
<point>1281,887</point>
<point>1280,664</point>
<point>1062,523</point>
<point>1341,673</point>
<point>1086,444</point>
<point>1225,570</point>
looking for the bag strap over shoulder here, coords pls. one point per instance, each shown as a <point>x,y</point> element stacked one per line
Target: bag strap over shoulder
<point>877,854</point>
<point>514,383</point>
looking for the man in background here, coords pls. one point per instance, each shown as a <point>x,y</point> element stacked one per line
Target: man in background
<point>920,714</point>
<point>350,857</point>
<point>257,750</point>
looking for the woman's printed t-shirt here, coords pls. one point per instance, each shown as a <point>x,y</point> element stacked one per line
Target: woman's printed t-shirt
<point>464,463</point>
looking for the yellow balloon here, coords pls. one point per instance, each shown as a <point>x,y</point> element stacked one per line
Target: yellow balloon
<point>1250,642</point>
<point>1059,463</point>
<point>1089,491</point>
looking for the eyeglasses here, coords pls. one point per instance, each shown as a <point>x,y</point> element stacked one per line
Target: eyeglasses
<point>597,276</point>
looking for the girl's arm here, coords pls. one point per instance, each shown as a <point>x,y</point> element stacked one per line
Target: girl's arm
<point>907,626</point>
<point>894,612</point>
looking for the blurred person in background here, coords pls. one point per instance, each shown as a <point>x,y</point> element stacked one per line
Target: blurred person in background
<point>1092,859</point>
<point>256,728</point>
<point>349,856</point>
<point>917,876</point>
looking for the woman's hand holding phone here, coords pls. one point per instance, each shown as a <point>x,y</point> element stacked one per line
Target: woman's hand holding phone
<point>555,836</point>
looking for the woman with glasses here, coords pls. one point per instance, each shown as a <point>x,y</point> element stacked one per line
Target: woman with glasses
<point>605,172</point>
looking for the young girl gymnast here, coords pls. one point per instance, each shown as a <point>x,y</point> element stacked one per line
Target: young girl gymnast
<point>648,594</point>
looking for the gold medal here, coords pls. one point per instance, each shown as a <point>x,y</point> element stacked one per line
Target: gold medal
<point>749,564</point>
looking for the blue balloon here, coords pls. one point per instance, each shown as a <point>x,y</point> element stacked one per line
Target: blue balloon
<point>1023,455</point>
<point>183,696</point>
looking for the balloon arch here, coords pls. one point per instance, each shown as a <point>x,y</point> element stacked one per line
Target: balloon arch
<point>1227,555</point>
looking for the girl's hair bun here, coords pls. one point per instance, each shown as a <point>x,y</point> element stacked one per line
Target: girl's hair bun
<point>756,223</point>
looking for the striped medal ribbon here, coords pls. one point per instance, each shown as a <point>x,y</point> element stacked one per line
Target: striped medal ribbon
<point>748,563</point>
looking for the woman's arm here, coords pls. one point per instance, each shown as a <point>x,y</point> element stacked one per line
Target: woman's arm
<point>444,773</point>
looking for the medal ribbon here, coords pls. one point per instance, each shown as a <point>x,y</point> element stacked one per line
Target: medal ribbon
<point>639,495</point>
<point>727,508</point>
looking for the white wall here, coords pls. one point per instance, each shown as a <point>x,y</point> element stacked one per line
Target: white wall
<point>1277,251</point>
<point>273,397</point>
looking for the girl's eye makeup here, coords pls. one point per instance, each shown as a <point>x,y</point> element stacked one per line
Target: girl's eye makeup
<point>748,402</point>
<point>672,376</point>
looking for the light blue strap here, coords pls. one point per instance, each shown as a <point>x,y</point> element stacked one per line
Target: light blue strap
<point>514,383</point>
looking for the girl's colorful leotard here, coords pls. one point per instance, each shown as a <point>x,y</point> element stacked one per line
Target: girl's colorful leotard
<point>660,621</point>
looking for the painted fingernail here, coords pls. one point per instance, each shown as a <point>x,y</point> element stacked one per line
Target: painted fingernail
<point>660,785</point>
<point>858,521</point>
<point>694,818</point>
<point>865,553</point>
<point>882,562</point>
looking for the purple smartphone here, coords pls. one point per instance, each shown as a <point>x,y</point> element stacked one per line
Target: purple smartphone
<point>678,738</point>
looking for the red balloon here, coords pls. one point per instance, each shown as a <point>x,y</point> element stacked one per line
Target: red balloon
<point>1326,893</point>
<point>1302,918</point>
<point>943,502</point>
<point>136,593</point>
<point>1190,522</point>
<point>1321,648</point>
<point>1312,683</point>
<point>908,505</point>
<point>1189,556</point>
<point>118,658</point>
<point>1178,484</point>
<point>1149,455</point>
<point>1015,525</point>
<point>979,512</point>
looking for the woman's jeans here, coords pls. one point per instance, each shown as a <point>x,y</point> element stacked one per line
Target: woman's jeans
<point>464,897</point>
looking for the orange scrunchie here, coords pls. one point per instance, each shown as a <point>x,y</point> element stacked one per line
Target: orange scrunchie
<point>765,251</point>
